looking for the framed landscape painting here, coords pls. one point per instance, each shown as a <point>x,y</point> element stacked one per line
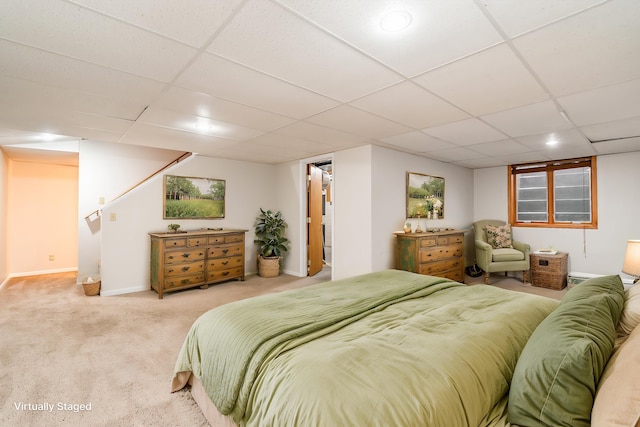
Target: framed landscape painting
<point>425,196</point>
<point>193,198</point>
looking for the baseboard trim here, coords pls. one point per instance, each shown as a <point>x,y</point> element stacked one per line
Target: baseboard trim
<point>131,290</point>
<point>40,272</point>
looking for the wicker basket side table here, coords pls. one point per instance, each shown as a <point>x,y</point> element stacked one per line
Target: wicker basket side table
<point>549,271</point>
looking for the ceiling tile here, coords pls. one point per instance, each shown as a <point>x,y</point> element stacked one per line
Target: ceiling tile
<point>618,146</point>
<point>593,48</point>
<point>351,120</point>
<point>321,134</point>
<point>533,119</point>
<point>447,30</point>
<point>52,119</point>
<point>59,71</point>
<point>189,123</point>
<point>605,104</point>
<point>411,105</point>
<point>193,24</point>
<point>455,154</point>
<point>268,38</point>
<point>465,132</point>
<point>203,105</point>
<point>418,141</point>
<point>499,81</point>
<point>293,144</point>
<point>613,130</point>
<point>565,138</point>
<point>172,139</point>
<point>117,45</point>
<point>519,17</point>
<point>500,148</point>
<point>26,93</point>
<point>218,77</point>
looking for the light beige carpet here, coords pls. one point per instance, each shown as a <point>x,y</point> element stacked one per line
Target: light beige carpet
<point>61,349</point>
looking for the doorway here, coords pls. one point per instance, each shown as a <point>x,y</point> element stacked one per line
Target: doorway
<point>319,218</point>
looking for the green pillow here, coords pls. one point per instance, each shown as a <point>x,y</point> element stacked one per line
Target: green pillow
<point>557,374</point>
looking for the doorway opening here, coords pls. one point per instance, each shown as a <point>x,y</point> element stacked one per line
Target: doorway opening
<point>319,218</point>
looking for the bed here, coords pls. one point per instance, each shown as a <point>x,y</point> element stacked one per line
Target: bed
<point>389,348</point>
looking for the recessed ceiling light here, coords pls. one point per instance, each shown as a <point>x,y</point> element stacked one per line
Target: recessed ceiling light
<point>395,21</point>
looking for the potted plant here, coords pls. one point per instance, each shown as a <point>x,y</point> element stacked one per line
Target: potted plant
<point>174,227</point>
<point>269,230</point>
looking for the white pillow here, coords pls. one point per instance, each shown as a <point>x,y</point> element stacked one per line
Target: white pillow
<point>630,317</point>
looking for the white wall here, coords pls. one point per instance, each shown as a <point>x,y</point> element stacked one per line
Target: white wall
<point>290,200</point>
<point>599,251</point>
<point>389,184</point>
<point>353,207</point>
<point>4,167</point>
<point>107,170</point>
<point>125,241</point>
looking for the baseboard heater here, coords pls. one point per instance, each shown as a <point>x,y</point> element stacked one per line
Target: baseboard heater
<point>575,278</point>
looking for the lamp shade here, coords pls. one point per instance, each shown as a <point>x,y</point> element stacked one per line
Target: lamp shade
<point>632,258</point>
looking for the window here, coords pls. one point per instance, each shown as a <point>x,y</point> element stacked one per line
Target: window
<point>559,193</point>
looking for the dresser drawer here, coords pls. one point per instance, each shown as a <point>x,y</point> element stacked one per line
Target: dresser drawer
<point>439,253</point>
<point>175,243</point>
<point>179,281</point>
<point>224,263</point>
<point>197,241</point>
<point>439,267</point>
<point>428,241</point>
<point>450,240</point>
<point>225,251</point>
<point>184,268</point>
<point>171,257</point>
<point>215,240</point>
<point>234,238</point>
<point>230,273</point>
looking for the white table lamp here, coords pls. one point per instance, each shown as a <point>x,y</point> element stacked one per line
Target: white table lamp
<point>631,264</point>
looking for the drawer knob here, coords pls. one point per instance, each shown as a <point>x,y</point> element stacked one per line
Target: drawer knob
<point>184,281</point>
<point>224,251</point>
<point>225,262</point>
<point>186,268</point>
<point>186,255</point>
<point>226,273</point>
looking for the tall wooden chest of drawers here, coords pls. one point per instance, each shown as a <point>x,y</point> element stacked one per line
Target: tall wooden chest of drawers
<point>195,258</point>
<point>434,254</point>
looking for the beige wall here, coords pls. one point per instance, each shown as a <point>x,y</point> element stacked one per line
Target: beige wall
<point>4,171</point>
<point>42,209</point>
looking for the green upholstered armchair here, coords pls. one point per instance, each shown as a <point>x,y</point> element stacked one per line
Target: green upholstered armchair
<point>502,259</point>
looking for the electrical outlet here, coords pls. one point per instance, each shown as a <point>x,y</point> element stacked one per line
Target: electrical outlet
<point>52,257</point>
<point>112,216</point>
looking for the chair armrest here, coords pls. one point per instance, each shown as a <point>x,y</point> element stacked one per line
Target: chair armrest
<point>522,247</point>
<point>484,253</point>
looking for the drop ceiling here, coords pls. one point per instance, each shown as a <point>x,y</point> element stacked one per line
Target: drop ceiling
<point>473,83</point>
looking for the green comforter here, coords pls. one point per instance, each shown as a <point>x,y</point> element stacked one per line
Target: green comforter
<point>386,348</point>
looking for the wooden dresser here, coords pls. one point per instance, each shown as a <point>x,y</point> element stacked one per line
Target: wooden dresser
<point>434,254</point>
<point>195,258</point>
